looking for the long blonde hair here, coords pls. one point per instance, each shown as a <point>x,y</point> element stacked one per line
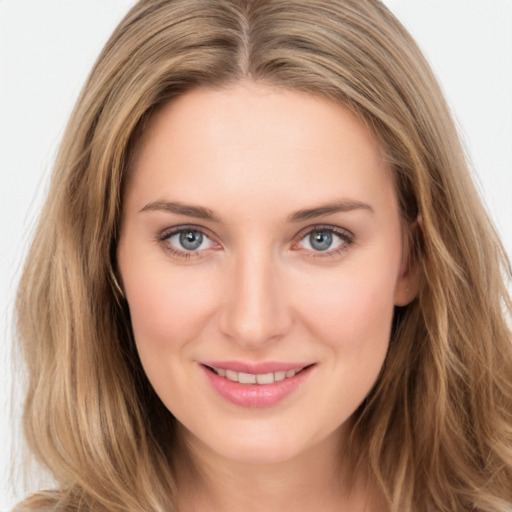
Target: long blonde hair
<point>436,431</point>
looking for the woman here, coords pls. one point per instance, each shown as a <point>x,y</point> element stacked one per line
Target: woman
<point>263,277</point>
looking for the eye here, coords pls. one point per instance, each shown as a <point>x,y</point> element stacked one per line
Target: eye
<point>319,240</point>
<point>186,242</point>
<point>189,240</point>
<point>328,240</point>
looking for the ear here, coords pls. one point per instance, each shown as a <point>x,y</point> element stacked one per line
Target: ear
<point>408,282</point>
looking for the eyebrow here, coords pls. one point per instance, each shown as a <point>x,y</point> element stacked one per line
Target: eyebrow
<point>182,209</point>
<point>200,212</point>
<point>329,209</point>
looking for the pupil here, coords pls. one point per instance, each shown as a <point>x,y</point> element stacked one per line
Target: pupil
<point>191,240</point>
<point>320,240</point>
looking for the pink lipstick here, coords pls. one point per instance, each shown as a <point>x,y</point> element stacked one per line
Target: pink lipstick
<point>255,385</point>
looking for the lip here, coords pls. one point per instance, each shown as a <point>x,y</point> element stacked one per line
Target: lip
<point>256,395</point>
<point>256,368</point>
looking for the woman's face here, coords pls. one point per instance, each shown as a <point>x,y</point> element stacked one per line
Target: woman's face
<point>261,237</point>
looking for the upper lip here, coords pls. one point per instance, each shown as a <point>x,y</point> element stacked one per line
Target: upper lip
<point>256,368</point>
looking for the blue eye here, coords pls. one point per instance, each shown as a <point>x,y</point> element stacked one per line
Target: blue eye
<point>188,240</point>
<point>326,240</point>
<point>320,240</point>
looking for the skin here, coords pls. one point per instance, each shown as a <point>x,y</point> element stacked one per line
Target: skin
<point>257,290</point>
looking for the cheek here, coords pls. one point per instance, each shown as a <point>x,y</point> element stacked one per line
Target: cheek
<point>354,306</point>
<point>350,321</point>
<point>168,308</point>
<point>349,313</point>
<point>168,311</point>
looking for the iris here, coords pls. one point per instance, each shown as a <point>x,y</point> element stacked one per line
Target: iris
<point>191,240</point>
<point>320,240</point>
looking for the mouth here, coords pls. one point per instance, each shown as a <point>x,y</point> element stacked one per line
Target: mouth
<point>261,379</point>
<point>256,385</point>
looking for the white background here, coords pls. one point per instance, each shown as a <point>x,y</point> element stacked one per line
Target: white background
<point>47,48</point>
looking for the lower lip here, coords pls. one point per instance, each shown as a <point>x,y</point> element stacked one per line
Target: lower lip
<point>256,395</point>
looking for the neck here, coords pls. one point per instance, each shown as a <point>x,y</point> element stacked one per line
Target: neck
<point>320,479</point>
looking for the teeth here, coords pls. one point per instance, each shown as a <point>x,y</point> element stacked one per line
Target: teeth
<point>246,378</point>
<point>250,378</point>
<point>265,378</point>
<point>231,375</point>
<point>279,376</point>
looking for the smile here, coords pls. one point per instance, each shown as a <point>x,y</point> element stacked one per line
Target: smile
<point>256,386</point>
<point>254,378</point>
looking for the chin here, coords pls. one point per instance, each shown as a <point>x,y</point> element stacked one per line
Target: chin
<point>258,444</point>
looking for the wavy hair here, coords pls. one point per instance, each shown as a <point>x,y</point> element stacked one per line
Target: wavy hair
<point>436,431</point>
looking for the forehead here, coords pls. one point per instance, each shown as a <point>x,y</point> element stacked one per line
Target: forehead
<point>258,144</point>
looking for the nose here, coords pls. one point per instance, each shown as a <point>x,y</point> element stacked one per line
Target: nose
<point>255,310</point>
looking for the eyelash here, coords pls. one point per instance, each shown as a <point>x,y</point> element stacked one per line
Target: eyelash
<point>347,239</point>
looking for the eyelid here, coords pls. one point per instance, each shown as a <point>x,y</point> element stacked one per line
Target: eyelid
<point>344,232</point>
<point>167,232</point>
